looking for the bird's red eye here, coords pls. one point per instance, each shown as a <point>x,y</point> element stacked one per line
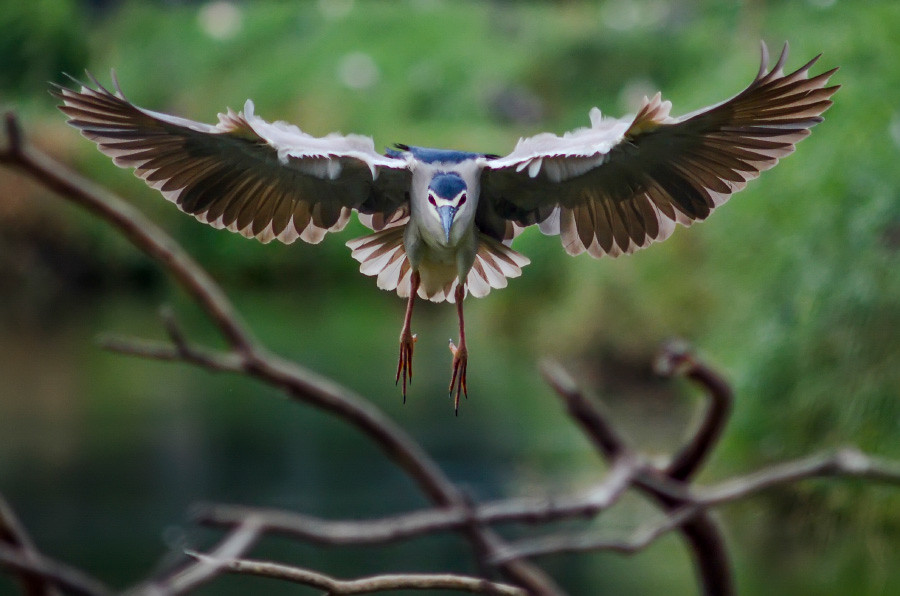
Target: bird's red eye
<point>462,200</point>
<point>431,200</point>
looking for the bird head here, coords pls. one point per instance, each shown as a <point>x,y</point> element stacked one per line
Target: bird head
<point>447,195</point>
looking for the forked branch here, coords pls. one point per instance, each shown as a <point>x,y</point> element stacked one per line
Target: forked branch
<point>676,359</point>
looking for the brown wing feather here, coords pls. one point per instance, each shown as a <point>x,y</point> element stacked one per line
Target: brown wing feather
<point>231,177</point>
<point>666,170</point>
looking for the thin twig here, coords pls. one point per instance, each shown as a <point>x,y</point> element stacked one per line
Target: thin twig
<point>363,585</point>
<point>200,571</point>
<point>638,541</point>
<point>13,533</point>
<point>211,360</point>
<point>847,463</point>
<point>43,569</point>
<point>173,329</point>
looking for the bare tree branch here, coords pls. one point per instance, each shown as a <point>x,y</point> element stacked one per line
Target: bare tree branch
<point>676,359</point>
<point>429,521</point>
<point>846,463</point>
<point>234,545</point>
<point>140,231</point>
<point>13,149</point>
<point>157,350</point>
<point>299,383</point>
<point>702,533</point>
<point>639,540</point>
<point>13,534</point>
<point>363,585</point>
<point>589,414</point>
<point>43,570</point>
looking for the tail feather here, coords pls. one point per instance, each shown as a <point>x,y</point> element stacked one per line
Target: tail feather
<point>383,255</point>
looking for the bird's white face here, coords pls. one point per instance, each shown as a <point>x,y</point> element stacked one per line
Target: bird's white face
<point>437,201</point>
<point>447,196</point>
<point>445,210</point>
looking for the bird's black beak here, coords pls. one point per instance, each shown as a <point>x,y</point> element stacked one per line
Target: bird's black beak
<point>447,214</point>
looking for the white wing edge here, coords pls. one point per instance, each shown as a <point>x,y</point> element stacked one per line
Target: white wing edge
<point>575,152</point>
<point>291,142</point>
<point>285,138</point>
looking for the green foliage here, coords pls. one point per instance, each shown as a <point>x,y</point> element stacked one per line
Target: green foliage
<point>39,41</point>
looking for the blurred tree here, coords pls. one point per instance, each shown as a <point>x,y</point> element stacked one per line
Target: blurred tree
<point>39,41</point>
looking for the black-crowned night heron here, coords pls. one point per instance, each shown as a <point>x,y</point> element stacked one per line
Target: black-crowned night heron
<point>443,220</point>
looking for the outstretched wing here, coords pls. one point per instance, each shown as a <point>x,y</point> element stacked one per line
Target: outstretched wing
<point>621,184</point>
<point>263,180</point>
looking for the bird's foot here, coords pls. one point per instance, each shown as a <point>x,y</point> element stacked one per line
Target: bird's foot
<point>404,366</point>
<point>458,380</point>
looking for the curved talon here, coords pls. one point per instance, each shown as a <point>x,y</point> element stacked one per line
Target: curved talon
<point>404,365</point>
<point>458,380</point>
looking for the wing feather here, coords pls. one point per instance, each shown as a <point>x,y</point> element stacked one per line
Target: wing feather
<point>260,179</point>
<point>622,184</point>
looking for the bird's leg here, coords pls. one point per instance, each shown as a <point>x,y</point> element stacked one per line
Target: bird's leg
<point>407,339</point>
<point>460,354</point>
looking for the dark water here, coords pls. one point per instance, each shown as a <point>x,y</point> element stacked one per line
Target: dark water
<point>102,455</point>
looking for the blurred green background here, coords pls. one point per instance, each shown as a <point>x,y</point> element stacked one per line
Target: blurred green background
<point>792,289</point>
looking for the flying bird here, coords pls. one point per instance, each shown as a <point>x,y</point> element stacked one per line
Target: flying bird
<point>443,220</point>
